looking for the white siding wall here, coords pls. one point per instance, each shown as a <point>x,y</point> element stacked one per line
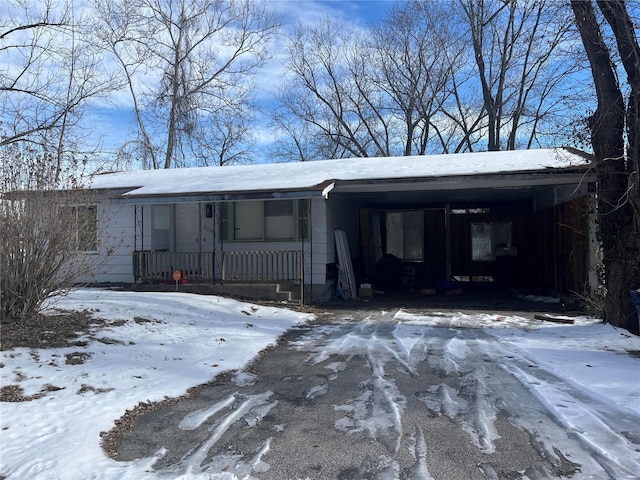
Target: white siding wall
<point>116,241</point>
<point>326,216</point>
<point>320,248</point>
<point>342,214</point>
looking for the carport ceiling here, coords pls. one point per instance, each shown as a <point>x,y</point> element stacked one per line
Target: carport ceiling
<point>399,198</point>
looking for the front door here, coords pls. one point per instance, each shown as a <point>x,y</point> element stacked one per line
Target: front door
<point>187,227</point>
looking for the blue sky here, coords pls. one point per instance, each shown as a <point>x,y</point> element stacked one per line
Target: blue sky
<point>367,10</point>
<point>352,10</point>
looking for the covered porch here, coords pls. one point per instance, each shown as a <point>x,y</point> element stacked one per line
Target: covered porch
<point>222,243</point>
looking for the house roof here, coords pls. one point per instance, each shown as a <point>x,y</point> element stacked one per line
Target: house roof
<point>325,174</point>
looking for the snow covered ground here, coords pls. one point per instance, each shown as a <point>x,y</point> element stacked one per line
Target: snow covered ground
<point>169,342</point>
<point>188,340</point>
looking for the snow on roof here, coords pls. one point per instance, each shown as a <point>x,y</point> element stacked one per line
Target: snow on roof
<point>313,175</point>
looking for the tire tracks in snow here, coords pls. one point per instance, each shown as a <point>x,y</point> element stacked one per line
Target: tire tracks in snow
<point>373,397</point>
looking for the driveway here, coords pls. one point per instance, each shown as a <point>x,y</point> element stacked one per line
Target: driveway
<point>364,395</point>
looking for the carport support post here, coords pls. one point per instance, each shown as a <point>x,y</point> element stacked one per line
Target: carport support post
<point>447,236</point>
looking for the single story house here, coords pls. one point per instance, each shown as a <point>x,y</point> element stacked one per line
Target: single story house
<point>514,218</point>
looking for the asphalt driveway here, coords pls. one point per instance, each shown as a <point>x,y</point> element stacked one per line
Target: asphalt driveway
<point>361,395</point>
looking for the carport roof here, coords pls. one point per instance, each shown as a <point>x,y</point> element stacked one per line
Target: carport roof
<point>321,176</point>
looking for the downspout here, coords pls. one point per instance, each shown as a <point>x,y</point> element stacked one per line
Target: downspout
<point>302,238</point>
<point>201,271</point>
<point>447,236</point>
<point>555,240</point>
<point>325,195</point>
<point>310,251</point>
<point>222,205</point>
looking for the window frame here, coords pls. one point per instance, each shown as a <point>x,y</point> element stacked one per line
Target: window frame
<point>80,243</point>
<point>299,222</point>
<point>403,227</point>
<point>487,237</point>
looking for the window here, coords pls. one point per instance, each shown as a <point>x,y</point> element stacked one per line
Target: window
<point>485,237</point>
<point>278,220</point>
<point>269,220</point>
<point>85,221</point>
<point>405,235</point>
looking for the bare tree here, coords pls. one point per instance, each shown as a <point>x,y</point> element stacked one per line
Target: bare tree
<point>616,119</point>
<point>433,77</point>
<point>412,48</point>
<point>361,95</point>
<point>186,62</point>
<point>323,95</point>
<point>291,133</point>
<point>50,74</point>
<point>48,236</point>
<point>516,50</point>
<point>224,140</point>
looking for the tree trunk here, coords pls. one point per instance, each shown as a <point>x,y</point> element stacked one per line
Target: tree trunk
<point>618,223</point>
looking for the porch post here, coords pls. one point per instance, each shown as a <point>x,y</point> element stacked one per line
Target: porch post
<point>592,222</point>
<point>302,276</point>
<point>139,272</point>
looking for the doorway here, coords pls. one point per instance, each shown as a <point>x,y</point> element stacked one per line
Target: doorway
<point>404,248</point>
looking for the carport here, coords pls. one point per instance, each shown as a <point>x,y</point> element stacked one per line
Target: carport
<point>525,229</point>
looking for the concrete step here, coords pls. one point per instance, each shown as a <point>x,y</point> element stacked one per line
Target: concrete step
<point>289,291</point>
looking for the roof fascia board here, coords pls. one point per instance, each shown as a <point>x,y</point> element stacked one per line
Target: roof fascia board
<point>230,197</point>
<point>466,182</point>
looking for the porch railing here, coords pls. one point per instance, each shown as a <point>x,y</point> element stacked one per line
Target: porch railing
<point>158,266</point>
<point>266,266</point>
<point>269,266</point>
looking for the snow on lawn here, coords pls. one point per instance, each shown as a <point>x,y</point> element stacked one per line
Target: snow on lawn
<point>168,343</point>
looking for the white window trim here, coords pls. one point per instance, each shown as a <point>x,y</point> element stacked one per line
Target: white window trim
<point>297,217</point>
<point>75,208</point>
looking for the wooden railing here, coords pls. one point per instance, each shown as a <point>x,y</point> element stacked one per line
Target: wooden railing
<point>158,266</point>
<point>270,266</point>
